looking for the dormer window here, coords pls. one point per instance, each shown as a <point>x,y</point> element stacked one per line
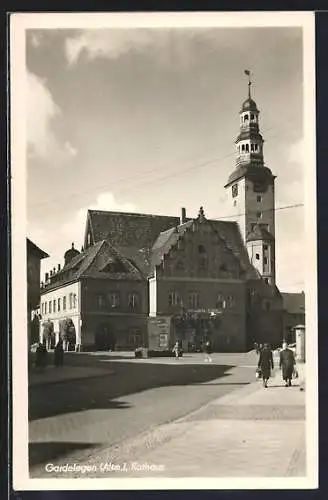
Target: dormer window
<point>114,266</point>
<point>234,190</point>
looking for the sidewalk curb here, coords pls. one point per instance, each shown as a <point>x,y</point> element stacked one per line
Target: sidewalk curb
<point>73,379</point>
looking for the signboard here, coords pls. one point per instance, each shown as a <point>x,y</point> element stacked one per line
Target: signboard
<point>159,332</point>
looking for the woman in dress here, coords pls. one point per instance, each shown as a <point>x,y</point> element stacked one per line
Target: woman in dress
<point>266,363</point>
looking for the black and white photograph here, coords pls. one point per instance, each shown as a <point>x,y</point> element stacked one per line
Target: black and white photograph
<point>163,212</point>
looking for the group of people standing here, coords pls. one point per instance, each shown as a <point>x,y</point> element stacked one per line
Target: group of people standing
<point>41,355</point>
<point>287,364</point>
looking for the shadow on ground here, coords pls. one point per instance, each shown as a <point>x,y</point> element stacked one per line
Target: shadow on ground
<point>44,452</point>
<point>129,378</point>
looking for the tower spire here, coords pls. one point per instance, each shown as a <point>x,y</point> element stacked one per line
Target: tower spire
<point>248,73</point>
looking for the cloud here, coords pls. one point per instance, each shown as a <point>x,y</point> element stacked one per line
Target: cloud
<point>41,112</point>
<point>56,240</point>
<point>107,43</point>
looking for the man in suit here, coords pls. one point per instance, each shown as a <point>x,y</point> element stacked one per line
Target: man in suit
<point>287,364</point>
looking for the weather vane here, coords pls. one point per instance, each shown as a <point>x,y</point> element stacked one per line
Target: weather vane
<point>248,73</point>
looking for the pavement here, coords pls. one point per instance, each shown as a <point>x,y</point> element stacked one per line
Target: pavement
<point>248,432</point>
<point>52,374</point>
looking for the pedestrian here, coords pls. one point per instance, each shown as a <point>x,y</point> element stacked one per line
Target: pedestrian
<point>176,350</point>
<point>59,353</point>
<point>41,357</point>
<point>207,351</point>
<point>287,364</point>
<point>77,346</point>
<point>266,363</point>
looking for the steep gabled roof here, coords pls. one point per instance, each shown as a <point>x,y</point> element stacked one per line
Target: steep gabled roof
<point>34,249</point>
<point>134,235</point>
<point>294,303</point>
<point>93,263</point>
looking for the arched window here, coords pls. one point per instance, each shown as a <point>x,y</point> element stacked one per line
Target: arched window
<point>246,118</point>
<point>247,148</point>
<point>243,147</point>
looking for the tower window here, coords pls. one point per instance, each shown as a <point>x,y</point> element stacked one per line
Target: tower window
<point>247,148</point>
<point>256,147</point>
<point>252,116</point>
<point>246,118</point>
<point>259,199</point>
<point>243,147</point>
<point>252,147</point>
<point>234,190</point>
<point>259,215</point>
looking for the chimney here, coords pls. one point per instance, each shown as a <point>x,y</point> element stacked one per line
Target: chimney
<point>46,277</point>
<point>54,271</point>
<point>51,273</point>
<point>58,268</point>
<point>183,216</point>
<point>42,284</point>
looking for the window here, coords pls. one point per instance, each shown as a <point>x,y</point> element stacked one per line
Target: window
<point>133,300</point>
<point>135,339</point>
<point>193,300</point>
<point>259,215</point>
<point>54,305</point>
<point>179,265</point>
<point>230,301</point>
<point>58,305</point>
<point>64,303</point>
<point>220,301</point>
<point>265,260</point>
<point>234,190</point>
<point>256,147</point>
<point>114,300</point>
<point>259,198</point>
<point>42,308</point>
<point>257,256</point>
<point>50,306</point>
<point>243,147</point>
<point>252,116</point>
<point>235,203</point>
<point>246,118</point>
<point>247,148</point>
<point>265,247</point>
<point>266,281</point>
<point>101,301</point>
<point>45,308</point>
<point>174,299</point>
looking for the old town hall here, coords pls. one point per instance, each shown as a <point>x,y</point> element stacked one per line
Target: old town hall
<point>214,279</point>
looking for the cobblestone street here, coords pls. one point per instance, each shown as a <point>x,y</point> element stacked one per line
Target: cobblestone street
<point>223,423</point>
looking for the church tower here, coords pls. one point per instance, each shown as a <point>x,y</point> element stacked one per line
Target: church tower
<point>250,190</point>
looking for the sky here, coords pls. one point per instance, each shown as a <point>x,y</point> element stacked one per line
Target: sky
<point>145,120</point>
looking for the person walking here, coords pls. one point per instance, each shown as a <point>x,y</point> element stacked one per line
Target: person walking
<point>266,363</point>
<point>59,354</point>
<point>287,364</point>
<point>176,349</point>
<point>207,351</point>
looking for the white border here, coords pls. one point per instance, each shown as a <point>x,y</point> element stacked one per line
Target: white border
<point>18,24</point>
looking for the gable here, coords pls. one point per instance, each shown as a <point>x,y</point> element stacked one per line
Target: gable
<point>196,251</point>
